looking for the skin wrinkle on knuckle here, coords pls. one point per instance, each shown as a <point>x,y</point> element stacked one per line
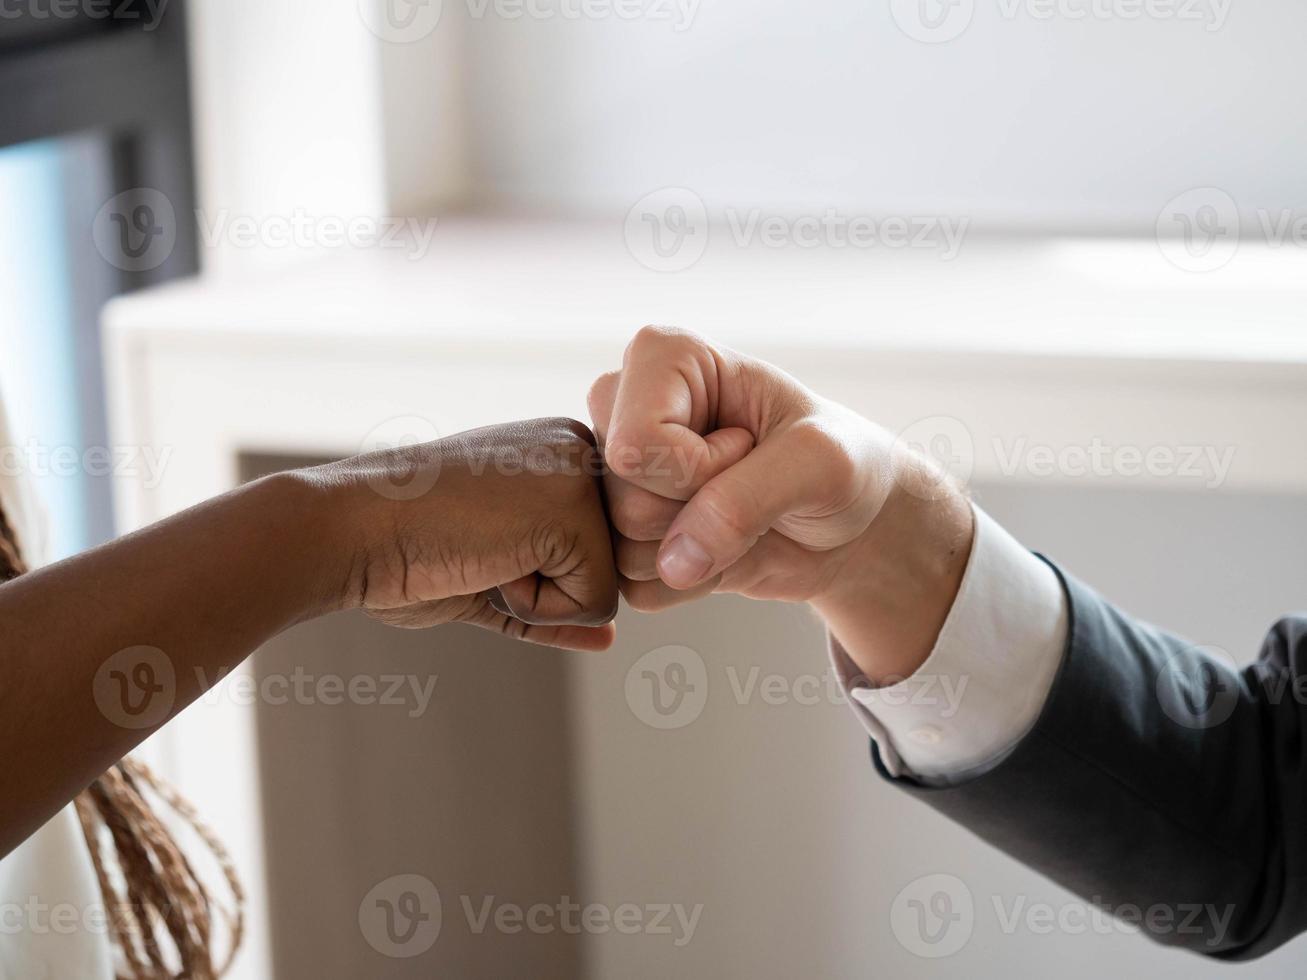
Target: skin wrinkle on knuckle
<point>607,611</point>
<point>577,579</point>
<point>635,559</point>
<point>601,395</point>
<point>691,356</point>
<point>487,617</point>
<point>627,525</point>
<point>641,519</point>
<point>703,404</point>
<point>578,433</point>
<point>635,347</point>
<point>561,547</point>
<point>653,337</point>
<point>403,548</point>
<point>643,597</point>
<point>828,460</point>
<point>624,457</point>
<point>592,607</point>
<point>554,542</point>
<point>812,439</point>
<point>636,572</point>
<point>842,470</point>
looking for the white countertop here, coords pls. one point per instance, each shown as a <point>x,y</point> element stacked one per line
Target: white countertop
<point>499,281</point>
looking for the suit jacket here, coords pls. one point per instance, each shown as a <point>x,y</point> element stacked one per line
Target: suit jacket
<point>1159,778</point>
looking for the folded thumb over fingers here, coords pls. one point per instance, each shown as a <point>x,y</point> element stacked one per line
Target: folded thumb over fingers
<point>730,512</point>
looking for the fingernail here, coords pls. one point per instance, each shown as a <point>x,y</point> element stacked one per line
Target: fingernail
<point>683,562</point>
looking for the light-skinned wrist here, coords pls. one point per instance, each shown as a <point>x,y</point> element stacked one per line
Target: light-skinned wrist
<point>898,580</point>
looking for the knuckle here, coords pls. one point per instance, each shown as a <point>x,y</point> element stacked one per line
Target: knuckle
<point>653,333</point>
<point>810,437</point>
<point>600,609</point>
<point>633,453</point>
<point>599,398</point>
<point>635,559</point>
<point>569,431</point>
<point>607,611</point>
<point>641,518</point>
<point>511,627</point>
<point>657,337</point>
<point>551,539</point>
<point>566,448</point>
<point>623,456</point>
<point>645,597</point>
<point>829,456</point>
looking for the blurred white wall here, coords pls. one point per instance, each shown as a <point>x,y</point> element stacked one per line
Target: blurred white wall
<point>1044,115</point>
<point>300,107</point>
<point>284,115</point>
<point>1067,124</point>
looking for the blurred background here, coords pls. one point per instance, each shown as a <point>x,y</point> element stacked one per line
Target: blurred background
<point>1060,243</point>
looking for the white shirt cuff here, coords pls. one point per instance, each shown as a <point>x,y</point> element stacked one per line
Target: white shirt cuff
<point>985,683</point>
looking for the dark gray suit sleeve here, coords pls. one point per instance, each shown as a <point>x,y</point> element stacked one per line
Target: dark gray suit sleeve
<point>1159,778</point>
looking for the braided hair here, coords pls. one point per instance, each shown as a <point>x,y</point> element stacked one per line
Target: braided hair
<point>145,878</point>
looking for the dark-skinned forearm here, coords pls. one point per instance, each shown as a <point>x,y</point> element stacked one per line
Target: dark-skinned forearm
<point>205,588</point>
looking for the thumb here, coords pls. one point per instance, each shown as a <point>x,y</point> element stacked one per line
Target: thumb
<point>733,510</point>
